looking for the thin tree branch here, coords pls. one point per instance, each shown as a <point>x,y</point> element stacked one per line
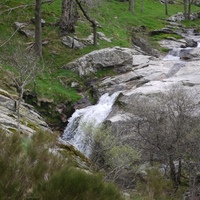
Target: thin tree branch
<point>10,37</point>
<point>25,6</point>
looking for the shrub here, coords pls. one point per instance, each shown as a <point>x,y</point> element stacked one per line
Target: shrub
<point>30,169</point>
<point>156,186</point>
<point>73,183</point>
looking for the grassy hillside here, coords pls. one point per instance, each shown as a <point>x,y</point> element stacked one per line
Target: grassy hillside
<point>53,83</point>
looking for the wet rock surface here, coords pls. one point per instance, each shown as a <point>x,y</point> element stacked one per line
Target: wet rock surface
<point>143,74</point>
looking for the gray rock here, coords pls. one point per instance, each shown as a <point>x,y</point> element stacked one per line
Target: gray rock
<point>144,45</point>
<point>99,59</point>
<point>177,17</point>
<point>20,25</point>
<point>171,44</point>
<point>27,33</point>
<point>169,1</point>
<point>31,120</point>
<point>102,36</point>
<point>23,28</point>
<point>191,43</point>
<point>72,42</point>
<point>82,103</point>
<point>180,17</point>
<point>43,22</point>
<point>192,54</point>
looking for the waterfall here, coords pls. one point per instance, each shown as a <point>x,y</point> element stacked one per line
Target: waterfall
<point>75,133</point>
<point>173,54</point>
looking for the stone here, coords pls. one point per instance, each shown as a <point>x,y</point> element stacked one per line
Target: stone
<point>23,28</point>
<point>144,45</point>
<point>78,43</point>
<point>20,25</point>
<point>43,22</point>
<point>169,1</point>
<point>180,17</point>
<point>102,36</point>
<point>101,59</point>
<point>72,42</point>
<point>82,103</point>
<point>177,17</point>
<point>185,54</point>
<point>74,84</point>
<point>191,43</point>
<point>162,31</point>
<point>27,33</point>
<point>32,121</point>
<point>193,54</point>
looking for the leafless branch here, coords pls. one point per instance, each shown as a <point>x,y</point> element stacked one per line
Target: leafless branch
<point>10,37</point>
<point>24,6</point>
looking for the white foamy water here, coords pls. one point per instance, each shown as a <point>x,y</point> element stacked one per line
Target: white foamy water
<point>171,57</point>
<point>95,115</point>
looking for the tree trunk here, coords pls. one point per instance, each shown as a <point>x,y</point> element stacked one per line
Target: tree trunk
<point>142,7</point>
<point>131,5</point>
<point>179,171</point>
<point>69,17</point>
<point>38,28</point>
<point>166,7</point>
<point>21,92</point>
<point>189,8</point>
<point>93,22</point>
<point>185,9</point>
<point>94,35</point>
<point>172,171</point>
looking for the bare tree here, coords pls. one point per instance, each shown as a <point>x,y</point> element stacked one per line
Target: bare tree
<point>160,128</point>
<point>93,22</point>
<point>24,71</point>
<point>69,16</point>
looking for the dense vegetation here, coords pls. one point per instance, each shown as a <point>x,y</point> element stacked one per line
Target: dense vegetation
<point>31,170</point>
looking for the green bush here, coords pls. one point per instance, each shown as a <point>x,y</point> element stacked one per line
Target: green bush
<point>30,168</point>
<point>156,186</point>
<point>74,184</point>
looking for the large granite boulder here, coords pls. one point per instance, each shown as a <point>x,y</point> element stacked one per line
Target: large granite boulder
<point>30,120</point>
<point>161,75</point>
<point>101,59</point>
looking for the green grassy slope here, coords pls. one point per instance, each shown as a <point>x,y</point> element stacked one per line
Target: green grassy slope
<point>113,16</point>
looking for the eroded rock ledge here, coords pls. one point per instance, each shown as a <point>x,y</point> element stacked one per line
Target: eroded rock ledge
<point>30,120</point>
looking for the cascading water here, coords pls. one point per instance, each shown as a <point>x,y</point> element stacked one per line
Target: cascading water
<point>176,53</point>
<point>75,132</point>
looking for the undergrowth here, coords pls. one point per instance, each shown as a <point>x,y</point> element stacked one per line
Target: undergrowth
<point>32,168</point>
